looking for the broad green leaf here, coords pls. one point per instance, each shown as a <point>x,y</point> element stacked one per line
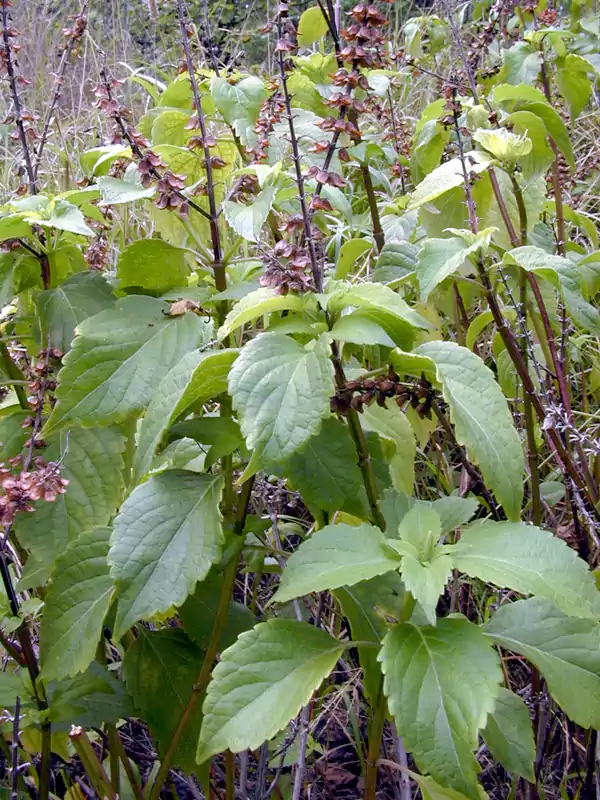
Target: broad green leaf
<point>521,64</point>
<point>166,536</point>
<point>116,191</point>
<point>170,127</point>
<point>312,26</point>
<point>349,254</point>
<point>440,258</point>
<point>13,226</point>
<point>65,260</point>
<point>504,145</point>
<point>247,220</point>
<point>509,735</point>
<point>117,359</point>
<point>221,434</point>
<point>396,262</point>
<point>60,310</point>
<point>195,379</point>
<point>336,555</point>
<point>281,391</point>
<point>432,790</point>
<point>76,603</point>
<point>453,511</point>
<point>566,650</point>
<point>530,561</point>
<point>370,607</point>
<point>256,304</point>
<point>392,425</point>
<point>160,669</point>
<point>239,103</point>
<point>482,420</point>
<point>573,83</point>
<point>359,328</point>
<point>541,155</point>
<point>262,682</point>
<point>441,683</point>
<point>326,473</point>
<point>13,685</point>
<point>61,216</point>
<point>198,614</point>
<point>426,580</point>
<point>152,266</point>
<point>447,176</point>
<point>12,434</point>
<point>98,160</point>
<point>428,146</point>
<point>89,699</point>
<point>92,462</point>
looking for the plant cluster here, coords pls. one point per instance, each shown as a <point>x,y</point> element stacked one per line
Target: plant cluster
<point>299,425</point>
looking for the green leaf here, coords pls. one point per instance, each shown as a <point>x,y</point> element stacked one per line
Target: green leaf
<point>326,473</point>
<point>12,685</point>
<point>262,682</point>
<point>447,176</point>
<point>336,555</point>
<point>482,420</point>
<point>358,328</point>
<point>160,669</point>
<point>62,216</point>
<point>256,304</point>
<point>391,424</point>
<point>12,434</point>
<point>247,220</point>
<point>239,104</point>
<point>13,226</point>
<point>92,462</point>
<point>441,683</point>
<point>440,258</point>
<point>507,147</point>
<point>95,697</point>
<point>370,607</point>
<point>170,127</point>
<point>521,64</point>
<point>198,614</point>
<point>349,254</point>
<point>541,155</point>
<point>222,434</point>
<point>118,358</point>
<point>382,301</point>
<point>116,191</point>
<point>75,606</point>
<point>60,310</point>
<point>453,511</point>
<point>531,561</point>
<point>509,735</point>
<point>312,26</point>
<point>281,391</point>
<point>151,265</point>
<point>573,83</point>
<point>566,650</point>
<point>166,536</point>
<point>195,379</point>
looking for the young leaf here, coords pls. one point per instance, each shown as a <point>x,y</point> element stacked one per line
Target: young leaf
<point>482,420</point>
<point>426,580</point>
<point>60,310</point>
<point>336,555</point>
<point>262,682</point>
<point>509,735</point>
<point>504,145</point>
<point>166,537</point>
<point>441,683</point>
<point>75,606</point>
<point>566,650</point>
<point>530,561</point>
<point>312,26</point>
<point>92,462</point>
<point>392,425</point>
<point>247,220</point>
<point>256,304</point>
<point>452,511</point>
<point>152,266</point>
<point>447,176</point>
<point>160,669</point>
<point>117,359</point>
<point>325,471</point>
<point>194,379</point>
<point>281,391</point>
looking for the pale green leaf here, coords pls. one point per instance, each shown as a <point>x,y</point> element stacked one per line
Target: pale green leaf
<point>256,304</point>
<point>247,220</point>
<point>166,536</point>
<point>531,561</point>
<point>60,310</point>
<point>76,603</point>
<point>326,473</point>
<point>440,258</point>
<point>116,191</point>
<point>239,103</point>
<point>151,265</point>
<point>281,391</point>
<point>92,462</point>
<point>482,420</point>
<point>12,433</point>
<point>160,669</point>
<point>573,83</point>
<point>391,424</point>
<point>441,683</point>
<point>349,254</point>
<point>62,216</point>
<point>452,511</point>
<point>447,176</point>
<point>262,682</point>
<point>117,359</point>
<point>334,556</point>
<point>358,328</point>
<point>312,26</point>
<point>509,735</point>
<point>566,650</point>
<point>426,580</point>
<point>195,379</point>
<point>521,64</point>
<point>504,145</point>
